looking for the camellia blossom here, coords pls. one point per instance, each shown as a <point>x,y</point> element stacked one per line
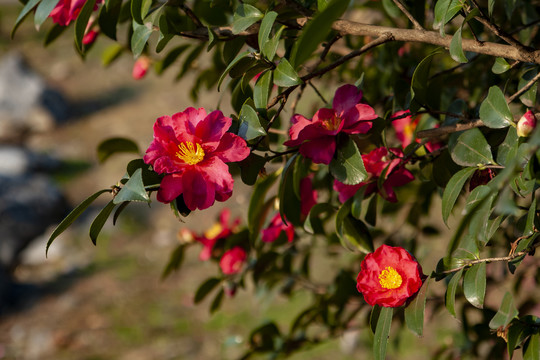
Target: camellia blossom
<point>232,260</point>
<point>317,137</point>
<point>274,229</point>
<point>68,10</point>
<point>140,68</point>
<point>308,196</point>
<point>192,148</point>
<point>389,277</point>
<point>405,126</point>
<point>216,232</point>
<point>526,124</point>
<point>376,163</point>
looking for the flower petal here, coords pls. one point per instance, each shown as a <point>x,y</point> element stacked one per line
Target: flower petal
<point>211,129</point>
<point>199,192</point>
<point>345,98</point>
<point>170,188</point>
<point>357,119</point>
<point>231,148</point>
<point>320,151</point>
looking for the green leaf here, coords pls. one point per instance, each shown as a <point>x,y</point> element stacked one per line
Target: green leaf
<point>29,6</point>
<point>265,30</point>
<point>212,38</point>
<point>494,111</point>
<point>133,190</point>
<point>175,261</point>
<point>139,9</point>
<point>250,126</point>
<point>500,66</point>
<point>115,145</point>
<point>261,90</point>
<point>474,284</point>
<point>347,166</point>
<point>456,50</point>
<point>232,63</point>
<point>245,16</point>
<point>529,97</point>
<point>313,225</point>
<point>81,23</point>
<point>452,191</point>
<point>231,48</point>
<point>111,53</point>
<point>100,220</point>
<point>43,10</point>
<point>256,208</point>
<point>478,210</point>
<point>53,34</point>
<point>444,11</point>
<point>284,75</point>
<point>531,349</point>
<point>414,312</point>
<point>270,47</point>
<point>507,151</point>
<point>531,216</point>
<point>72,216</point>
<point>216,303</point>
<point>353,234</point>
<point>108,17</point>
<point>491,5</point>
<point>382,333</point>
<point>205,288</point>
<point>250,168</point>
<point>391,9</point>
<point>140,36</point>
<point>285,180</point>
<point>516,334</point>
<point>471,149</point>
<point>166,34</point>
<point>322,4</point>
<point>450,297</point>
<point>188,61</point>
<point>316,31</point>
<point>420,80</point>
<point>506,313</point>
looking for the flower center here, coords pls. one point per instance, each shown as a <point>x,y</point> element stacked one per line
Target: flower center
<point>389,278</point>
<point>332,123</point>
<point>190,154</point>
<point>214,231</point>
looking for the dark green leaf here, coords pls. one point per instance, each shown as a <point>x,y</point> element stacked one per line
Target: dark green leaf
<point>531,349</point>
<point>250,126</point>
<point>286,177</point>
<point>81,23</point>
<point>115,145</point>
<point>474,284</point>
<point>29,6</point>
<point>261,91</point>
<point>507,151</point>
<point>165,33</point>
<point>100,220</point>
<point>516,334</point>
<point>414,312</point>
<point>347,166</point>
<point>450,298</point>
<point>322,4</point>
<point>353,234</point>
<point>53,34</point>
<point>108,17</point>
<point>491,5</point>
<point>506,313</point>
<point>133,190</point>
<point>139,9</point>
<point>500,66</point>
<point>471,149</point>
<point>205,288</point>
<point>494,111</point>
<point>265,30</point>
<point>141,33</point>
<point>452,191</point>
<point>231,48</point>
<point>188,61</point>
<point>313,225</point>
<point>531,216</point>
<point>232,63</point>
<point>217,301</point>
<point>478,210</point>
<point>382,333</point>
<point>43,10</point>
<point>250,168</point>
<point>456,50</point>
<point>119,211</point>
<point>72,216</point>
<point>316,31</point>
<point>284,75</point>
<point>420,80</point>
<point>245,16</point>
<point>212,38</point>
<point>175,261</point>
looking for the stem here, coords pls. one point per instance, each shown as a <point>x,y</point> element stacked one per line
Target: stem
<point>525,88</point>
<point>404,10</point>
<point>449,129</point>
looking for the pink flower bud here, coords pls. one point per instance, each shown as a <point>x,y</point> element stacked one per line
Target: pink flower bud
<point>140,67</point>
<point>526,124</point>
<point>90,37</point>
<point>231,262</point>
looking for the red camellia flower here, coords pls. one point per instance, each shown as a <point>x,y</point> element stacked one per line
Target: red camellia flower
<point>67,10</point>
<point>140,68</point>
<point>376,163</point>
<point>317,137</point>
<point>217,232</point>
<point>405,126</point>
<point>389,277</point>
<point>192,148</point>
<point>232,260</point>
<point>274,229</point>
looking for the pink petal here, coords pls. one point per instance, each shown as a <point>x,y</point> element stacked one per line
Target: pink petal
<point>212,128</point>
<point>345,98</point>
<point>217,172</point>
<point>199,192</point>
<point>170,188</point>
<point>356,119</point>
<point>186,121</point>
<point>298,124</point>
<point>231,148</point>
<point>320,151</point>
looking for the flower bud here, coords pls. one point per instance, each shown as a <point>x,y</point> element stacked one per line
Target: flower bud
<point>140,67</point>
<point>526,124</point>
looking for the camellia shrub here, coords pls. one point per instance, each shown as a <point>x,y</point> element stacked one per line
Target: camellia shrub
<point>418,175</point>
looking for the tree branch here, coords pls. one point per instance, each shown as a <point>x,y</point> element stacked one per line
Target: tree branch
<point>404,10</point>
<point>449,129</point>
<point>525,88</point>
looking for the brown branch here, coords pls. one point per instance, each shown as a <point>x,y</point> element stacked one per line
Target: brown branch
<point>191,15</point>
<point>524,89</point>
<point>449,129</point>
<point>404,10</point>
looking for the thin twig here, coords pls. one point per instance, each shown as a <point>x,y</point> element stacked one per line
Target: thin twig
<point>404,10</point>
<point>524,89</point>
<point>318,92</point>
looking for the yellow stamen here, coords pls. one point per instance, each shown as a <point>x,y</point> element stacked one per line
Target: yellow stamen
<point>214,231</point>
<point>332,123</point>
<point>189,154</point>
<point>389,278</point>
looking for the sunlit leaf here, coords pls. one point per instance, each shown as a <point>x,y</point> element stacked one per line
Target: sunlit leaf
<point>450,296</point>
<point>506,313</point>
<point>347,166</point>
<point>453,189</point>
<point>414,312</point>
<point>494,110</point>
<point>474,284</point>
<point>471,149</point>
<point>133,190</point>
<point>382,333</point>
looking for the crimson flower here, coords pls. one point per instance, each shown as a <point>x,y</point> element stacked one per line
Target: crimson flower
<point>192,148</point>
<point>274,229</point>
<point>232,260</point>
<point>67,10</point>
<point>89,37</point>
<point>308,196</point>
<point>389,277</point>
<point>405,126</point>
<point>216,232</point>
<point>377,164</point>
<point>317,137</point>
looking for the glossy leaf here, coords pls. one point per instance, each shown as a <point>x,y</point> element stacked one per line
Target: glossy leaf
<point>133,190</point>
<point>507,151</point>
<point>452,191</point>
<point>141,33</point>
<point>43,10</point>
<point>81,23</point>
<point>72,216</point>
<point>232,63</point>
<point>139,9</point>
<point>29,6</point>
<point>353,234</point>
<point>506,313</point>
<point>286,190</point>
<point>285,75</point>
<point>100,220</point>
<point>250,168</point>
<point>115,145</point>
<point>478,210</point>
<point>531,349</point>
<point>265,30</point>
<point>474,284</point>
<point>500,66</point>
<point>450,296</point>
<point>529,97</point>
<point>494,110</point>
<point>420,79</point>
<point>382,333</point>
<point>444,11</point>
<point>414,312</point>
<point>471,149</point>
<point>245,16</point>
<point>313,225</point>
<point>250,126</point>
<point>261,90</point>
<point>347,166</point>
<point>270,47</point>
<point>315,31</point>
<point>456,50</point>
<point>109,15</point>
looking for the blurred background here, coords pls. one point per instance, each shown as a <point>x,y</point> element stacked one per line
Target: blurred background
<point>108,301</point>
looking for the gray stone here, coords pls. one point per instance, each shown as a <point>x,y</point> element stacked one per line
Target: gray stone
<point>16,161</point>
